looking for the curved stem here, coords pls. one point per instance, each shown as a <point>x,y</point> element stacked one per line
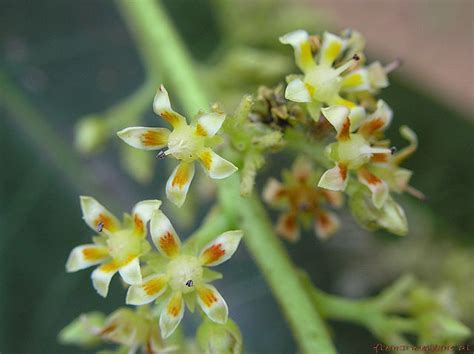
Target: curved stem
<point>162,47</point>
<point>277,268</point>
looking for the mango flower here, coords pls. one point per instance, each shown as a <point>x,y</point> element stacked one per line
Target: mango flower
<point>302,200</point>
<point>185,277</point>
<point>186,142</point>
<point>331,70</point>
<point>355,148</point>
<point>119,246</point>
<point>388,167</point>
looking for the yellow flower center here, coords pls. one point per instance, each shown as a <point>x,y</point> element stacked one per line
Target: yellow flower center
<point>184,273</point>
<point>184,143</point>
<point>123,244</point>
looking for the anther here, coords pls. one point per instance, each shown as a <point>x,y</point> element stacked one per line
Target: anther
<point>161,154</point>
<point>393,150</point>
<point>356,57</point>
<point>189,283</point>
<point>100,226</point>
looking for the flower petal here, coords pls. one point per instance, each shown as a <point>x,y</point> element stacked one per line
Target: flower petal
<point>287,227</point>
<point>377,121</point>
<point>164,236</point>
<point>215,166</point>
<point>141,214</point>
<point>334,179</point>
<point>221,248</point>
<point>377,75</point>
<point>338,116</point>
<point>212,303</point>
<point>209,124</point>
<point>84,256</point>
<point>95,215</point>
<point>145,138</point>
<point>152,287</point>
<point>302,169</point>
<point>299,40</point>
<point>393,218</point>
<point>102,276</point>
<point>378,187</point>
<point>297,91</point>
<point>162,107</point>
<point>331,48</point>
<point>172,314</point>
<point>355,81</point>
<point>130,271</point>
<point>178,183</point>
<point>273,191</point>
<point>326,224</point>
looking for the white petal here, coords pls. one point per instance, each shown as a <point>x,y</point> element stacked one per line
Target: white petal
<point>377,75</point>
<point>326,224</point>
<point>95,214</point>
<point>164,236</point>
<point>337,116</point>
<point>273,191</point>
<point>297,91</point>
<point>172,314</point>
<point>142,212</point>
<point>331,47</point>
<point>212,303</point>
<point>162,106</point>
<point>84,256</point>
<point>377,186</point>
<point>102,276</point>
<point>334,179</point>
<point>130,272</point>
<point>215,166</point>
<point>152,287</point>
<point>210,123</point>
<point>299,40</point>
<point>179,182</point>
<point>220,249</point>
<point>145,138</point>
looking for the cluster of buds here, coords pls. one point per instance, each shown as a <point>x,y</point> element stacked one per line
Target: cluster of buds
<point>172,275</point>
<point>302,200</point>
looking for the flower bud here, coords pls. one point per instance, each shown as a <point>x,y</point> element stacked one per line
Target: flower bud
<point>91,134</point>
<point>83,330</point>
<point>219,338</point>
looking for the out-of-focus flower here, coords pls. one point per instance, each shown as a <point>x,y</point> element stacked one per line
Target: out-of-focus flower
<point>185,142</point>
<point>119,246</point>
<point>301,199</point>
<point>184,276</point>
<point>219,338</point>
<point>132,330</point>
<point>333,73</point>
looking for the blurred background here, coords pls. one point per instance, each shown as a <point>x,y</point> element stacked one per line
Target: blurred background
<point>61,61</point>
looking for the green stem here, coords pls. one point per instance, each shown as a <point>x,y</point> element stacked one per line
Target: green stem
<point>368,312</point>
<point>162,47</point>
<point>277,268</point>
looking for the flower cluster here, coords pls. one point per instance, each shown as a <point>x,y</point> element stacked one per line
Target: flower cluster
<point>172,275</point>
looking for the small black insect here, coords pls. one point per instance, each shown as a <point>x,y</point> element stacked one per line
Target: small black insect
<point>161,154</point>
<point>100,226</point>
<point>189,283</point>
